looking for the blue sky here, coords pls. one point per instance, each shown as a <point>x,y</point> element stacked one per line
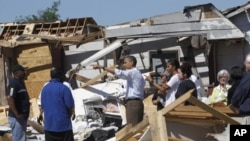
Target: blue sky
<point>105,12</point>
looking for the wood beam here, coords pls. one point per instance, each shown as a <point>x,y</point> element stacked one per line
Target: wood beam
<point>177,102</point>
<point>90,82</point>
<point>129,130</point>
<point>211,110</point>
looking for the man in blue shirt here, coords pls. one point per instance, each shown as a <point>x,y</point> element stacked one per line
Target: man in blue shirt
<point>19,104</point>
<point>57,103</point>
<point>134,91</point>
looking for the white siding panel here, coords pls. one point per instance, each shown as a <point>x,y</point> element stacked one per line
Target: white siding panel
<point>200,58</point>
<point>202,69</point>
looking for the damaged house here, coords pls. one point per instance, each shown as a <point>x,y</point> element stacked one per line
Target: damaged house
<point>201,34</point>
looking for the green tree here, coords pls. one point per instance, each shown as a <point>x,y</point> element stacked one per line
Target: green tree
<point>47,15</point>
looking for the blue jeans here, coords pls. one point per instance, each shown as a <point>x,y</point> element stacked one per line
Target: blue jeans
<point>18,128</point>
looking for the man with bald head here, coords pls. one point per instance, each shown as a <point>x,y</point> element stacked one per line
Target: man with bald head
<point>241,96</point>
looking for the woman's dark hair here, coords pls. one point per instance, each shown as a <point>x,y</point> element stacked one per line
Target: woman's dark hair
<point>174,62</point>
<point>132,59</point>
<point>186,68</point>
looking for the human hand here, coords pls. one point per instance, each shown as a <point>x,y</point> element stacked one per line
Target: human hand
<point>148,78</point>
<point>73,117</point>
<point>19,116</point>
<point>158,99</point>
<point>40,119</point>
<point>96,66</point>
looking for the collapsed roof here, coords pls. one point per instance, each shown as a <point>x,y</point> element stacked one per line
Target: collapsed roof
<point>193,20</point>
<point>72,31</point>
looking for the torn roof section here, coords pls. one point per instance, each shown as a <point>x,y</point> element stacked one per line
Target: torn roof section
<point>233,11</point>
<point>240,16</point>
<point>204,20</point>
<point>71,31</point>
<point>193,20</point>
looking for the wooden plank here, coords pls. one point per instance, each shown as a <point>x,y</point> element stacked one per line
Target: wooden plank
<point>161,115</point>
<point>38,50</point>
<point>94,79</point>
<point>132,139</point>
<point>188,113</point>
<point>39,128</point>
<point>34,88</point>
<point>162,127</point>
<point>3,100</point>
<point>4,110</point>
<point>153,122</point>
<point>38,65</point>
<point>148,105</point>
<point>130,130</point>
<point>211,110</point>
<point>123,133</point>
<point>9,44</point>
<point>3,120</point>
<point>177,102</point>
<point>38,75</point>
<point>225,110</point>
<point>34,61</point>
<point>7,137</point>
<point>71,38</point>
<point>174,139</point>
<point>189,109</point>
<point>196,121</point>
<point>81,78</point>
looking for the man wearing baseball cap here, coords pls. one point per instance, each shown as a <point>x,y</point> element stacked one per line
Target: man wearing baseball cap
<point>19,105</point>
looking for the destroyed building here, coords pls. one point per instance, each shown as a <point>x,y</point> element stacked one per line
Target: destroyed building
<point>202,34</point>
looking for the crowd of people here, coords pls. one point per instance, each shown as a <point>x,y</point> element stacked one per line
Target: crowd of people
<point>57,103</point>
<point>232,90</point>
<point>179,82</point>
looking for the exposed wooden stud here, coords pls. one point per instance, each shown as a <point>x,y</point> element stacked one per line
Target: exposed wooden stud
<point>122,134</point>
<point>128,131</point>
<point>177,102</point>
<point>193,120</point>
<point>154,128</point>
<point>94,79</point>
<point>213,111</point>
<point>162,125</point>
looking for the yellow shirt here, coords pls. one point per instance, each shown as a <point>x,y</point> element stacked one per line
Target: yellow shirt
<point>219,94</point>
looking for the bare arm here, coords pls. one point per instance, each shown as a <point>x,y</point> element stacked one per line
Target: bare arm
<point>40,117</point>
<point>108,69</point>
<point>72,111</point>
<point>12,106</point>
<point>162,88</point>
<point>41,111</point>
